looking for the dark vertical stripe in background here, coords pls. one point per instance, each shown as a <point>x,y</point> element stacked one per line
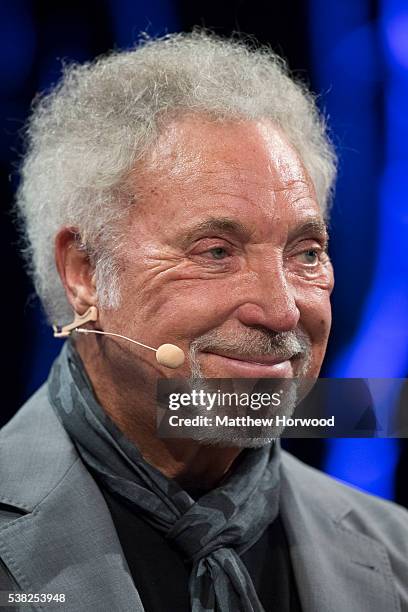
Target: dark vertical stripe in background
<point>355,52</point>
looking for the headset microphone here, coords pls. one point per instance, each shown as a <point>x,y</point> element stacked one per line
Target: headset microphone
<point>169,355</point>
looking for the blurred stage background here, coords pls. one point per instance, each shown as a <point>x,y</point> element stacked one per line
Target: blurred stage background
<point>354,53</point>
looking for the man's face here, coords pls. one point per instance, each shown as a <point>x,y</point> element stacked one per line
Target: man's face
<point>224,255</point>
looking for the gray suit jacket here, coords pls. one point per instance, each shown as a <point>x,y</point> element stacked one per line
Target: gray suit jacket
<point>349,550</point>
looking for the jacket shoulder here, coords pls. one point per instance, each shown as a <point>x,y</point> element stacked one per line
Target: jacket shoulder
<point>350,507</point>
<point>35,454</point>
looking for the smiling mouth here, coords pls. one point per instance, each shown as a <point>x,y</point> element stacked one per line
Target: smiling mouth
<point>264,360</point>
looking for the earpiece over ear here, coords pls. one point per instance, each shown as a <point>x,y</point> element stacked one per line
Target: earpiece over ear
<point>63,332</point>
<point>169,355</point>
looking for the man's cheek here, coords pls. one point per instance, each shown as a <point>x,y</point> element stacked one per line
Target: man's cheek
<point>196,300</point>
<point>315,314</point>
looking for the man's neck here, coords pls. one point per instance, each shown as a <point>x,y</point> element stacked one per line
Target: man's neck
<point>131,406</point>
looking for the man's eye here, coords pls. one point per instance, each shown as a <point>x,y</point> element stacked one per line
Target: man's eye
<point>311,256</point>
<point>218,252</point>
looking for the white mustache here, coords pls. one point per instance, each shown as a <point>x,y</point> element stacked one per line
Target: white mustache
<point>254,343</point>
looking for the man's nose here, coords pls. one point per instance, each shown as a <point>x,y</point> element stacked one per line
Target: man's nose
<point>271,303</point>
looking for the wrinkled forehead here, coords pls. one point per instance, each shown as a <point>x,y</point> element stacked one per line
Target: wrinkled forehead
<point>199,171</point>
<point>194,150</point>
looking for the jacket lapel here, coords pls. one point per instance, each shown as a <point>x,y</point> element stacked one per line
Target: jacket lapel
<point>336,568</point>
<point>65,542</point>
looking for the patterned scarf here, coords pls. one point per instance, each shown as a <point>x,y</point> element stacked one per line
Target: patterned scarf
<point>211,532</point>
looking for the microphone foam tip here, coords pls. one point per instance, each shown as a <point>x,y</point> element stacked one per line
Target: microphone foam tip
<point>170,356</point>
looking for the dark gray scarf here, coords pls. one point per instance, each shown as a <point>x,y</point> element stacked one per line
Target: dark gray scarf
<point>212,532</point>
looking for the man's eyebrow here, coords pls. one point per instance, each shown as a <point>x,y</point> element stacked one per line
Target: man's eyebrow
<point>216,224</point>
<point>312,227</point>
<point>315,227</point>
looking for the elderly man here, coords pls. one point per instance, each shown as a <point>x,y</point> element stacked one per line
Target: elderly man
<point>177,193</point>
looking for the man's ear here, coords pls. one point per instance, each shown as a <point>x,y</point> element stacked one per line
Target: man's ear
<point>75,269</point>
